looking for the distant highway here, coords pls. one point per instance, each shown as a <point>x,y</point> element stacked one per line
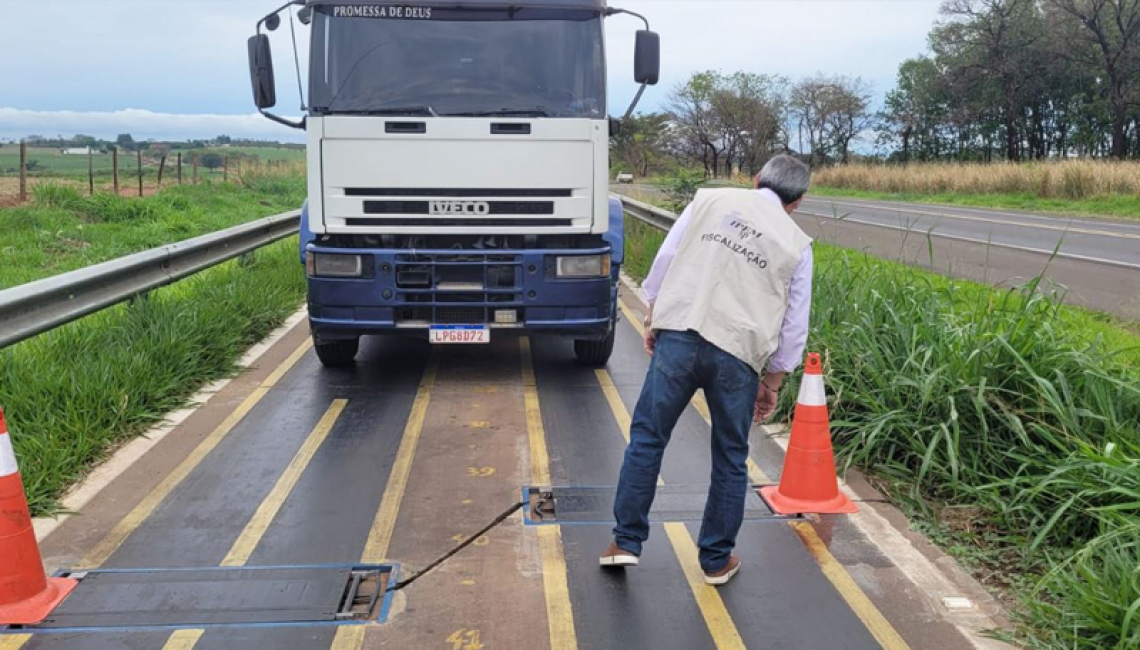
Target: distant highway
<point>1093,240</point>
<point>1095,262</point>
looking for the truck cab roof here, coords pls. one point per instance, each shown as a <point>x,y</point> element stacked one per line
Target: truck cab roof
<point>597,5</point>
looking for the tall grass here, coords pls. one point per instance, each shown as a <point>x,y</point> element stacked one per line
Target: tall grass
<point>1073,179</point>
<point>71,395</point>
<point>62,229</point>
<point>1007,421</point>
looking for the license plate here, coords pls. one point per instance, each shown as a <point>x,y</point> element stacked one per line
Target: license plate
<point>459,334</point>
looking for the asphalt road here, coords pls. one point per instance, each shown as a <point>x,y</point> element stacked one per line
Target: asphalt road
<point>294,469</point>
<point>1101,241</point>
<point>1092,263</point>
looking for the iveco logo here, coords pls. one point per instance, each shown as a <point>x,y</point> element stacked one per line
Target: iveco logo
<point>459,207</point>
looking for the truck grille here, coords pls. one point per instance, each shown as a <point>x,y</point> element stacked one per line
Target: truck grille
<point>493,207</point>
<point>456,192</point>
<point>444,315</point>
<point>510,222</point>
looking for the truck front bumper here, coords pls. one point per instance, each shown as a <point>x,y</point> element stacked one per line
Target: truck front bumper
<point>407,291</point>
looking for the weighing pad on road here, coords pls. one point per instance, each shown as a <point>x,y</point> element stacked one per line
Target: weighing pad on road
<point>594,505</point>
<point>223,596</point>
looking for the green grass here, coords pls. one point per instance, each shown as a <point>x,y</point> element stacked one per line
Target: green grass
<point>1124,206</point>
<point>62,229</point>
<point>73,394</point>
<point>52,163</point>
<point>1006,424</point>
<point>262,153</point>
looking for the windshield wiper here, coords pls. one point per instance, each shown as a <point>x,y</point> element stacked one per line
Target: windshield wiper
<point>421,109</point>
<point>537,111</point>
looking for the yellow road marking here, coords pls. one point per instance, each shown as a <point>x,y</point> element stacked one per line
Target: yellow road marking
<point>348,637</point>
<point>712,607</point>
<point>143,510</point>
<point>14,641</point>
<point>1004,222</point>
<point>717,619</point>
<point>351,637</point>
<point>376,550</point>
<point>559,613</point>
<point>254,530</point>
<point>872,618</point>
<point>183,639</point>
<point>836,573</point>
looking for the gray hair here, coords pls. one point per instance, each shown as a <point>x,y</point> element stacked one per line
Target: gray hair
<point>786,176</point>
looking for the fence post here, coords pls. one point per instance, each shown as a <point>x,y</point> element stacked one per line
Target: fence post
<point>161,166</point>
<point>194,168</point>
<point>23,171</point>
<point>179,167</point>
<point>115,167</point>
<point>90,171</point>
<point>225,169</point>
<point>139,154</point>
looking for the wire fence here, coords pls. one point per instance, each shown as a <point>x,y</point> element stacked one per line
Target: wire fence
<point>129,173</point>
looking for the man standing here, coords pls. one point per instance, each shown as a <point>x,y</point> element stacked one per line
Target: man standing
<point>729,300</point>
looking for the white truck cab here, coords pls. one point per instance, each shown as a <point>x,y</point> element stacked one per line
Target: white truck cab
<point>458,170</point>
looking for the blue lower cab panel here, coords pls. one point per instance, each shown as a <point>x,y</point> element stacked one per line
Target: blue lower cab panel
<point>408,291</point>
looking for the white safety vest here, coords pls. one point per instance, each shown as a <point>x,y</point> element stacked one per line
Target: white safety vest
<point>729,278</point>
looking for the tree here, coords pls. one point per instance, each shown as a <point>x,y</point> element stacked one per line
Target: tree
<point>642,142</point>
<point>1110,29</point>
<point>997,39</point>
<point>833,111</point>
<point>916,112</point>
<point>125,142</point>
<point>848,115</point>
<point>697,123</point>
<point>751,109</point>
<point>211,160</point>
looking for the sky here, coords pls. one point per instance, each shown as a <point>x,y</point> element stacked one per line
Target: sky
<point>176,69</point>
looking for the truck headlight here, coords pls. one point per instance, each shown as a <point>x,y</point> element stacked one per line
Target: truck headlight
<point>323,265</point>
<point>582,266</point>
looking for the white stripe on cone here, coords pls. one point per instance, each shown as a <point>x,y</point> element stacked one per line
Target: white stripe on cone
<point>7,456</point>
<point>812,392</point>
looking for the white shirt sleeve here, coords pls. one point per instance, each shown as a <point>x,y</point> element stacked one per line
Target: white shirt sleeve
<point>794,331</point>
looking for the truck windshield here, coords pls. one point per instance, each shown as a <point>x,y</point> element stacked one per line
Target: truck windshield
<point>395,60</point>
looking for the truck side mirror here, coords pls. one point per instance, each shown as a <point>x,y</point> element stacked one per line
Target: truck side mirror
<point>261,72</point>
<point>647,57</point>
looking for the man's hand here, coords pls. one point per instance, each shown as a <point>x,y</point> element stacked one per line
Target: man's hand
<point>767,396</point>
<point>650,335</point>
<point>766,400</point>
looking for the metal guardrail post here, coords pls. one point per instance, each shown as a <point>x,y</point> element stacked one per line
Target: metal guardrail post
<point>30,309</point>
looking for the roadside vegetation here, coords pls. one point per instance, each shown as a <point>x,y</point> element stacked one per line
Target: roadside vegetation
<point>74,394</point>
<point>50,165</point>
<point>1005,424</point>
<point>1073,187</point>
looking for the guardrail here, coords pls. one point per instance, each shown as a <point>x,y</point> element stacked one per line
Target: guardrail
<point>652,215</point>
<point>36,307</point>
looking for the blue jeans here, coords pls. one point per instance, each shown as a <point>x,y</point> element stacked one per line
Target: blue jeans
<point>682,363</point>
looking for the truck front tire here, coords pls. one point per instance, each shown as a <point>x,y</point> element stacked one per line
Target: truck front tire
<point>595,353</point>
<point>337,354</point>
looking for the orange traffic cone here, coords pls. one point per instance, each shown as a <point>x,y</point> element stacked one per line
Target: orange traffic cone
<point>808,483</point>
<point>26,595</point>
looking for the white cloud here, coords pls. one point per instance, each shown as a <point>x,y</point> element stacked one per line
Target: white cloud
<point>141,124</point>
